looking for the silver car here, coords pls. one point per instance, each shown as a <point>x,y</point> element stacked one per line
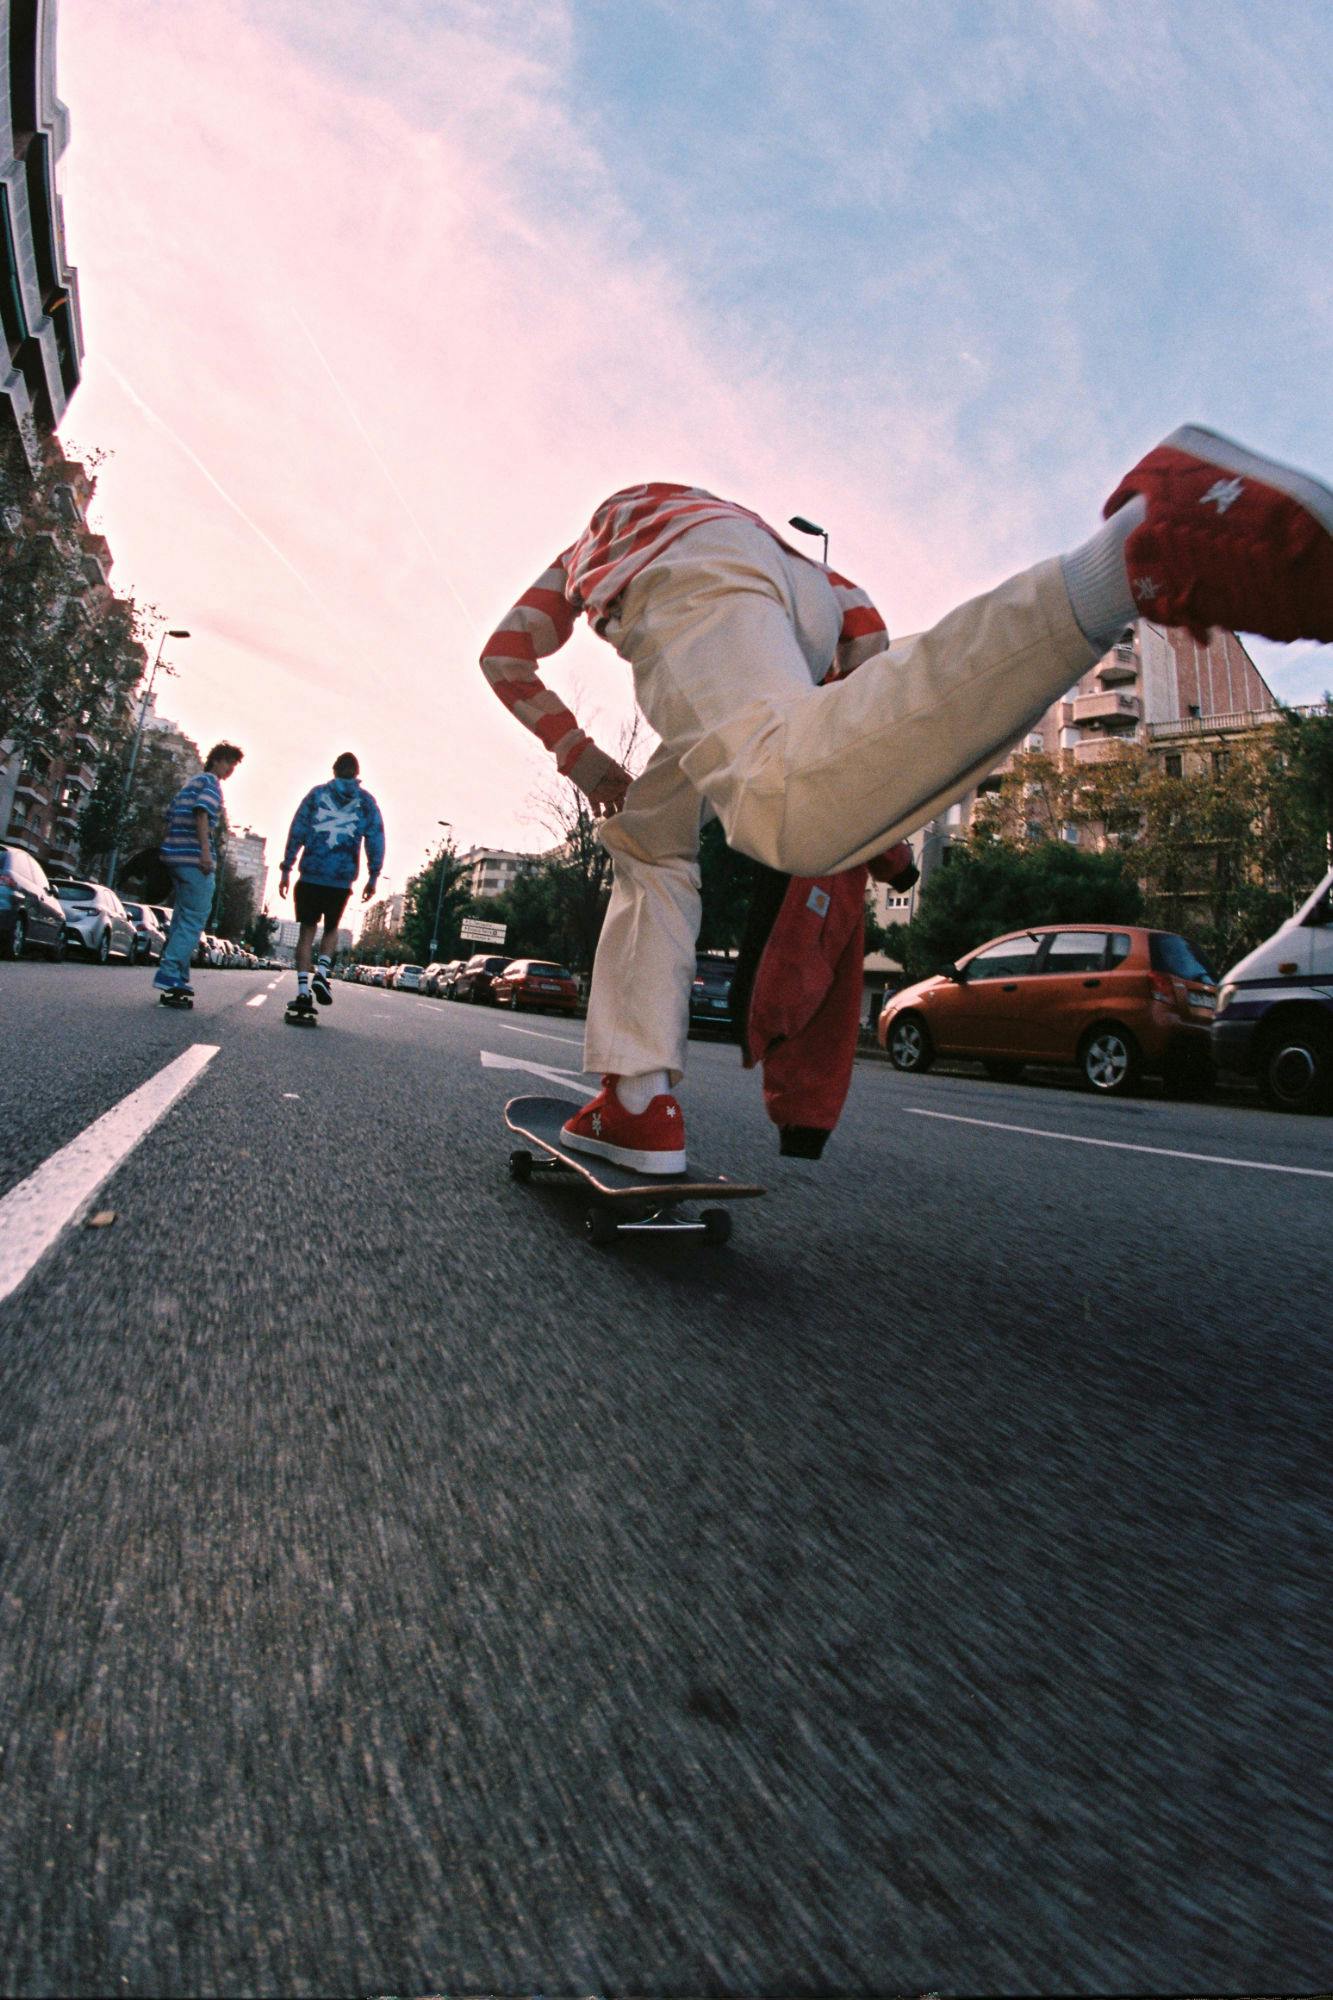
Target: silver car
<point>152,938</point>
<point>96,922</point>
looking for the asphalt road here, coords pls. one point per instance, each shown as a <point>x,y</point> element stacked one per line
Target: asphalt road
<point>928,1591</point>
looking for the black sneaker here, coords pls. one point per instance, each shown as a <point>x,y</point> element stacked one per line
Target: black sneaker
<point>301,1006</point>
<point>321,989</point>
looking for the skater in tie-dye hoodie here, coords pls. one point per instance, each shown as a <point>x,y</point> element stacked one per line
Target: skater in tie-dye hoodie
<point>327,830</point>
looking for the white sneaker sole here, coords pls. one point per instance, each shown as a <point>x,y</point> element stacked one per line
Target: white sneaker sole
<point>625,1156</point>
<point>1228,456</point>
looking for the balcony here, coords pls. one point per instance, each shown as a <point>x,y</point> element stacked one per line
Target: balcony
<point>1099,749</point>
<point>32,788</point>
<point>1097,711</point>
<point>1117,671</point>
<point>89,744</point>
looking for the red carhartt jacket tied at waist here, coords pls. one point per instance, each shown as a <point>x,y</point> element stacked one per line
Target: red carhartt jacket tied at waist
<point>804,1010</point>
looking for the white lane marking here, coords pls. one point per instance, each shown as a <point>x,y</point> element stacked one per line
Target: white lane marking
<point>564,1040</point>
<point>258,1000</point>
<point>36,1212</point>
<point>275,982</point>
<point>292,1093</point>
<point>1126,1146</point>
<point>564,1079</point>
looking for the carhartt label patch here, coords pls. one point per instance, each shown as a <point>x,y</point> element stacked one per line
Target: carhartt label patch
<point>818,900</point>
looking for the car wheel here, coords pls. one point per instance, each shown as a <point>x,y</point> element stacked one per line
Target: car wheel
<point>18,938</point>
<point>910,1047</point>
<point>1002,1071</point>
<point>103,952</point>
<point>1109,1061</point>
<point>1295,1066</point>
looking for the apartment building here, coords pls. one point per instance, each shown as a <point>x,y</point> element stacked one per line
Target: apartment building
<point>42,355</point>
<point>490,871</point>
<point>1156,685</point>
<point>247,857</point>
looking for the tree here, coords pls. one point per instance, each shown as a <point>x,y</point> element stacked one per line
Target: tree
<point>234,909</point>
<point>260,933</point>
<point>990,887</point>
<point>439,884</point>
<point>70,649</point>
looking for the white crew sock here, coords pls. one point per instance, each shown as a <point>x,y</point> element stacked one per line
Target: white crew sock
<point>302,982</point>
<point>636,1093</point>
<point>323,962</point>
<point>1097,577</point>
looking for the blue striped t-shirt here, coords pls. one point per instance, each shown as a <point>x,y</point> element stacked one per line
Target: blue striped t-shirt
<point>180,843</point>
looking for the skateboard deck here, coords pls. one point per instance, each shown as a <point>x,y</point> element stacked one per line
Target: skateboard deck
<point>300,1020</point>
<point>624,1201</point>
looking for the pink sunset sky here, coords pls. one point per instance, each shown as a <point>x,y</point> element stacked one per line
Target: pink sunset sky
<point>368,342</point>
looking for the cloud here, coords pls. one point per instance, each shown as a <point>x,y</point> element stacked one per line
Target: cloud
<point>417,285</point>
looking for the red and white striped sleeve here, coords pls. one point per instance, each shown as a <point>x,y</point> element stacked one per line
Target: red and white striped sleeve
<point>539,624</point>
<point>863,634</point>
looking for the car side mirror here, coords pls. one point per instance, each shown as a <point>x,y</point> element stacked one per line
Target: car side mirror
<point>958,973</point>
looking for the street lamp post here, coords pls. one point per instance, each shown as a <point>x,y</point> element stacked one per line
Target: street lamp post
<point>448,826</point>
<point>810,528</point>
<point>176,632</point>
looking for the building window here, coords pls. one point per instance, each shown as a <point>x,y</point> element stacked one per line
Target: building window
<point>1221,762</point>
<point>1174,764</point>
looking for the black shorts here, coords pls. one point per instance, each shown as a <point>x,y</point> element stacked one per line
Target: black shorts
<point>320,903</point>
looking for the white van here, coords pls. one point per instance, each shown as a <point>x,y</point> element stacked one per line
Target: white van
<point>1274,1019</point>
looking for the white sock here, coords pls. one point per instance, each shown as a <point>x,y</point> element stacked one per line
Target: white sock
<point>636,1093</point>
<point>1097,578</point>
<point>322,963</point>
<point>303,982</point>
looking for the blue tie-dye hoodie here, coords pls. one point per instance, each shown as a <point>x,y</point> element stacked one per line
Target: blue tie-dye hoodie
<point>330,824</point>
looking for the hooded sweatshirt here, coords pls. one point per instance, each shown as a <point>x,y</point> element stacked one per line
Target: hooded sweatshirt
<point>327,830</point>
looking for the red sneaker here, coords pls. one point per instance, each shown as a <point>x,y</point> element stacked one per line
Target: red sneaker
<point>1229,538</point>
<point>652,1142</point>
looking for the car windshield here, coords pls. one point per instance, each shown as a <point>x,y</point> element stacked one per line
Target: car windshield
<point>1169,953</point>
<point>408,968</point>
<point>75,892</point>
<point>537,969</point>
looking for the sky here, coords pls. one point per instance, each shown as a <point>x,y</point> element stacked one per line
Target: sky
<point>381,297</point>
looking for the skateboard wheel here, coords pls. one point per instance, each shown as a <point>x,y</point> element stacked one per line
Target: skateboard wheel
<point>520,1165</point>
<point>717,1225</point>
<point>599,1227</point>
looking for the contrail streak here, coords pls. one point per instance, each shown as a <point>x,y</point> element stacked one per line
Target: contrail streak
<point>378,457</point>
<point>194,458</point>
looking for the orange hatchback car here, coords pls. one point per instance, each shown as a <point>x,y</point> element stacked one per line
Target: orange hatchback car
<point>1113,1001</point>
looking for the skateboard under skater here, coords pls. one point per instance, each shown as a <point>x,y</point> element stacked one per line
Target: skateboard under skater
<point>177,996</point>
<point>299,1016</point>
<point>624,1201</point>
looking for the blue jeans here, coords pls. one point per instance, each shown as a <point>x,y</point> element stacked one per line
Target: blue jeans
<point>192,902</point>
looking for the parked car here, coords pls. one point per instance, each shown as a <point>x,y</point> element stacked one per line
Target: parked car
<point>447,978</point>
<point>96,923</point>
<point>477,978</point>
<point>163,912</point>
<point>536,982</point>
<point>710,995</point>
<point>150,938</point>
<point>408,979</point>
<point>1115,1001</point>
<point>1274,1019</point>
<point>31,913</point>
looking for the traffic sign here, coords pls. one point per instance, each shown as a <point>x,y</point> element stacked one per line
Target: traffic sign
<point>481,932</point>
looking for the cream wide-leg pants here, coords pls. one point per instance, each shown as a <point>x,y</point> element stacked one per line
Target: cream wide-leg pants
<point>728,636</point>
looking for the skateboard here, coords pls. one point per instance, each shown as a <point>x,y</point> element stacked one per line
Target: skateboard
<point>300,1019</point>
<point>624,1202</point>
<point>185,1000</point>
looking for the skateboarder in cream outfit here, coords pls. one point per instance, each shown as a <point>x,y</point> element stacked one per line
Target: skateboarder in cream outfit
<point>731,637</point>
